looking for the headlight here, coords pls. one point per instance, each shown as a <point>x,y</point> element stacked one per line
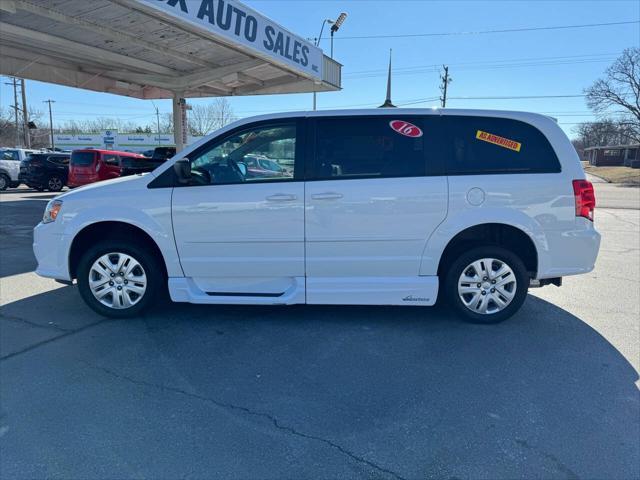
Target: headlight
<point>52,210</point>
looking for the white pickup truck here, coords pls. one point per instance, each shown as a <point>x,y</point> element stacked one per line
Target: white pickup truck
<point>10,159</point>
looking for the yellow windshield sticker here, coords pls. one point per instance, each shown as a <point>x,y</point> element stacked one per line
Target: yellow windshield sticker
<point>497,140</point>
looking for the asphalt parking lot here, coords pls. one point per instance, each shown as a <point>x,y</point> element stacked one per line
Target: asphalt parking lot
<point>322,392</point>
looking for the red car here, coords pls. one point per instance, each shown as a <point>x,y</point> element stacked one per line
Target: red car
<point>260,167</point>
<point>93,165</point>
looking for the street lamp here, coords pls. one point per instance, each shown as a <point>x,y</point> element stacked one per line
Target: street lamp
<point>335,26</point>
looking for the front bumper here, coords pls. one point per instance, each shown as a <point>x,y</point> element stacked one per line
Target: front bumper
<point>51,249</point>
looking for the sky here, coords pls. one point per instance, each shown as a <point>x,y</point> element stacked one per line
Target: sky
<point>551,62</point>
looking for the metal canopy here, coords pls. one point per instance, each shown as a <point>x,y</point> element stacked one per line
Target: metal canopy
<point>153,49</point>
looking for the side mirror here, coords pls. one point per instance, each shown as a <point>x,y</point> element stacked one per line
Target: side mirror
<point>243,168</point>
<point>182,169</point>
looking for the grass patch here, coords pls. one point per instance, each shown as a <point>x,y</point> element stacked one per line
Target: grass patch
<point>615,174</point>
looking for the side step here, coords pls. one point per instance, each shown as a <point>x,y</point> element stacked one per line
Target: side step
<point>185,290</point>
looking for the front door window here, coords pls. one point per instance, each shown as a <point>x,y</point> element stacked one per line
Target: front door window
<point>255,155</point>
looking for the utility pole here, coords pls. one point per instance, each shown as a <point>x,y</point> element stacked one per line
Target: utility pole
<point>446,80</point>
<point>53,143</point>
<point>25,115</point>
<point>15,109</point>
<point>158,121</point>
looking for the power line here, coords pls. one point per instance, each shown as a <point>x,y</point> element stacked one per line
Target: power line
<point>517,97</point>
<point>486,32</point>
<point>497,63</point>
<point>430,69</point>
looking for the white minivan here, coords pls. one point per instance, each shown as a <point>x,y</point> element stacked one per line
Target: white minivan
<point>357,207</point>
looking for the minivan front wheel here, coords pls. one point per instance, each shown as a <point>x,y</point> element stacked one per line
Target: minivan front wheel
<point>119,280</point>
<point>487,284</point>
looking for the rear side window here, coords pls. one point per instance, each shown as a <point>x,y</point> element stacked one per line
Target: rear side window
<point>59,160</point>
<point>9,155</point>
<point>82,159</point>
<point>131,161</point>
<point>484,145</point>
<point>371,147</point>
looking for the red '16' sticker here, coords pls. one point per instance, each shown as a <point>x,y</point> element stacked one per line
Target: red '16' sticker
<point>405,128</point>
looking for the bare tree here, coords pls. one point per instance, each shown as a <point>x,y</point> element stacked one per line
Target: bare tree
<point>8,128</point>
<point>620,88</point>
<point>96,125</point>
<point>204,119</point>
<point>605,132</point>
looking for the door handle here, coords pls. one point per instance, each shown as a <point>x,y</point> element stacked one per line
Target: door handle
<point>327,196</point>
<point>281,197</point>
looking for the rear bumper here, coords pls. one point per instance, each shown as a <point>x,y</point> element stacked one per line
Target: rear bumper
<point>51,251</point>
<point>79,182</point>
<point>570,252</point>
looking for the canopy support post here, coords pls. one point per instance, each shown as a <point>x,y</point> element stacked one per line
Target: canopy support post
<point>179,120</point>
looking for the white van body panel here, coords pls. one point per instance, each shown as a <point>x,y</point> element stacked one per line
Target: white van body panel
<point>371,227</point>
<point>227,235</point>
<point>126,200</point>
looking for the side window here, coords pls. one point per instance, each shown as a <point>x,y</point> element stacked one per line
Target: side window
<point>265,153</point>
<point>485,145</point>
<point>365,147</point>
<point>59,160</point>
<point>10,155</point>
<point>111,159</point>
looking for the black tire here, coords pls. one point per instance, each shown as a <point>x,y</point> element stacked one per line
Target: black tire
<point>5,181</point>
<point>14,184</point>
<point>458,266</point>
<point>149,263</point>
<point>55,183</point>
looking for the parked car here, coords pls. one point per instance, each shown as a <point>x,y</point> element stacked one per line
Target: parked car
<point>10,159</point>
<point>163,153</point>
<point>385,207</point>
<point>45,171</point>
<point>93,165</point>
<point>259,166</point>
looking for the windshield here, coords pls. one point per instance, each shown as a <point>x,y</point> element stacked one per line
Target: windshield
<point>82,159</point>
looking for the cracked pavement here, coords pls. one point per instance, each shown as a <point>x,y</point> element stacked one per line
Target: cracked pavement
<point>192,391</point>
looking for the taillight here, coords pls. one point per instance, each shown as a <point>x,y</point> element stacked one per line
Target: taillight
<point>585,198</point>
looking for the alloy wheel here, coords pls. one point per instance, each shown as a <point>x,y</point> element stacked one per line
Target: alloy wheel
<point>55,184</point>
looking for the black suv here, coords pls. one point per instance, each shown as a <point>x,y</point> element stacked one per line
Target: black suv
<point>45,171</point>
<point>160,154</point>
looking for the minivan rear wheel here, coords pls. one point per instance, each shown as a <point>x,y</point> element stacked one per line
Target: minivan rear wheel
<point>118,279</point>
<point>486,284</point>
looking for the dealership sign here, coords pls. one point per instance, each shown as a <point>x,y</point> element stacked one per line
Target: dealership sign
<point>242,25</point>
<point>119,141</point>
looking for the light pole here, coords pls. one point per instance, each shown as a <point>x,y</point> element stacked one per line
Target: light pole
<point>335,26</point>
<point>53,143</point>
